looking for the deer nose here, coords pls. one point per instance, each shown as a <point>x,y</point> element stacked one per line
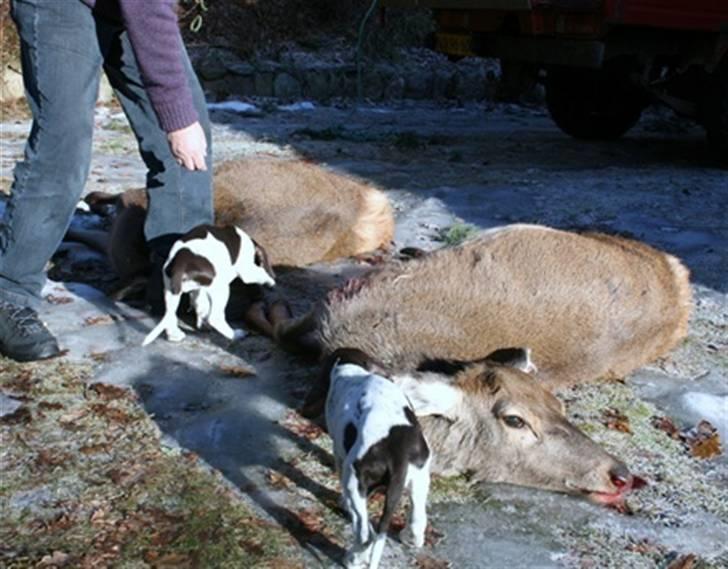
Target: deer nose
<point>620,476</point>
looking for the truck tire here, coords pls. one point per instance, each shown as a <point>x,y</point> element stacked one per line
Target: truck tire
<point>593,104</point>
<point>714,112</point>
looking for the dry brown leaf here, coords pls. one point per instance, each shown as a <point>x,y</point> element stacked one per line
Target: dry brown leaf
<point>301,427</point>
<point>277,480</point>
<point>111,413</point>
<point>20,416</point>
<point>53,299</point>
<point>100,319</point>
<point>684,562</point>
<point>644,547</point>
<point>50,406</point>
<point>423,561</point>
<point>237,371</point>
<point>108,392</point>
<point>615,420</point>
<point>95,448</point>
<point>100,356</point>
<point>46,458</point>
<point>311,520</point>
<point>704,441</point>
<point>72,417</point>
<point>667,425</point>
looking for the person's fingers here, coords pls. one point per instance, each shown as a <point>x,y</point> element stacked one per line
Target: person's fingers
<point>188,162</point>
<point>200,163</point>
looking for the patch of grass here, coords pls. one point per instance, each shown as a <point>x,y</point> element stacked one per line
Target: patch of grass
<point>457,233</point>
<point>87,482</point>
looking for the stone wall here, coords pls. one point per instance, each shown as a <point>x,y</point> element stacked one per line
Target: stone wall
<point>417,74</point>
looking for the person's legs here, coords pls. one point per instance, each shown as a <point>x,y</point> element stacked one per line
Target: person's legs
<point>61,66</point>
<point>179,199</point>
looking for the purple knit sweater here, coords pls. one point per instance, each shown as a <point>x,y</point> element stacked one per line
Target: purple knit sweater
<point>155,38</point>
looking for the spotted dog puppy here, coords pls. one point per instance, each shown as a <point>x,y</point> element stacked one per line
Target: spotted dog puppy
<point>203,263</point>
<point>377,442</point>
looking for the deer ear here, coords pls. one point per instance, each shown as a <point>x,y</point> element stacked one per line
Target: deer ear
<point>430,395</point>
<point>519,358</point>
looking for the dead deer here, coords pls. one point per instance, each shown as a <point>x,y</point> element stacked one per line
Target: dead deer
<point>302,214</point>
<point>588,306</point>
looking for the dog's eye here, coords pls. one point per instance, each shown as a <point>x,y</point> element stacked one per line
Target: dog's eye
<point>514,421</point>
<point>258,260</point>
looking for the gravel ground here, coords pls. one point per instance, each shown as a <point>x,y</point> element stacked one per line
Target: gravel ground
<point>445,168</point>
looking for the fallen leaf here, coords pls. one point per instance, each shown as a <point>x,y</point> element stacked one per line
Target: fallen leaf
<point>50,406</point>
<point>46,458</point>
<point>311,520</point>
<point>111,413</point>
<point>301,427</point>
<point>100,356</point>
<point>684,562</point>
<point>277,480</point>
<point>94,449</point>
<point>20,416</point>
<point>643,547</point>
<point>423,561</point>
<point>432,536</point>
<point>237,371</point>
<point>704,441</point>
<point>108,392</point>
<point>666,425</point>
<point>615,420</point>
<point>53,299</point>
<point>100,319</point>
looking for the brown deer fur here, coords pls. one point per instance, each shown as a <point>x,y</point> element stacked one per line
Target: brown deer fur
<point>300,212</point>
<point>587,305</point>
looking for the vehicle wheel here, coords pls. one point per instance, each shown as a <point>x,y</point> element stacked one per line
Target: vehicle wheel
<point>594,104</point>
<point>714,112</point>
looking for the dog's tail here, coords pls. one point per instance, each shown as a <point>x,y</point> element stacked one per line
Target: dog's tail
<point>156,331</point>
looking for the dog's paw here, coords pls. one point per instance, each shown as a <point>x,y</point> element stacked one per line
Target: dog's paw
<point>175,335</point>
<point>239,334</point>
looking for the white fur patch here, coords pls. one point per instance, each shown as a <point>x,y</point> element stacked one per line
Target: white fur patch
<point>372,403</point>
<point>210,300</point>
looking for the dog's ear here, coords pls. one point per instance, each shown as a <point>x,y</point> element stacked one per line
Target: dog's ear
<point>261,258</point>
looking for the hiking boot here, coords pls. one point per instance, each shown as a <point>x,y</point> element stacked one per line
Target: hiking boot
<point>23,337</point>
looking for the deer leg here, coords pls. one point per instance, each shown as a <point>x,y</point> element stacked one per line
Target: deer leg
<point>255,317</point>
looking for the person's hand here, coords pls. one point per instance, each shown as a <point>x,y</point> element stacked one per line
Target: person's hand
<point>189,146</point>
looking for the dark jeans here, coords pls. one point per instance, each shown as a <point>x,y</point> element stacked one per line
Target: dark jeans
<point>64,45</point>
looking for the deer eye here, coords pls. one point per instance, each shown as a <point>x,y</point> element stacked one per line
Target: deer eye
<point>514,421</point>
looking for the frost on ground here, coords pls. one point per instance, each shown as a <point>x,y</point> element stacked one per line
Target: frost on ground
<point>88,482</point>
<point>449,170</point>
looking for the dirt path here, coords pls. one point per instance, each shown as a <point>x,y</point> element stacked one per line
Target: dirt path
<point>443,167</point>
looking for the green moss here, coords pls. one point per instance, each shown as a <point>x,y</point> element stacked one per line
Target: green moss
<point>458,233</point>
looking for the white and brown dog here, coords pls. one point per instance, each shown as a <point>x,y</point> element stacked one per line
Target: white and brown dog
<point>203,263</point>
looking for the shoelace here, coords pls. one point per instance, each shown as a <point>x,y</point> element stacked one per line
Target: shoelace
<point>24,319</point>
